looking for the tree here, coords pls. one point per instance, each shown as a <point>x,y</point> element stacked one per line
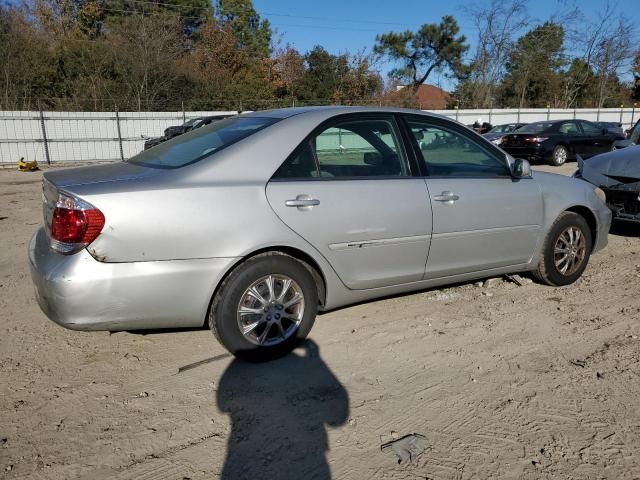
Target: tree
<point>323,73</point>
<point>288,71</point>
<point>611,54</point>
<point>533,69</point>
<point>497,24</point>
<point>251,32</point>
<point>360,84</point>
<point>433,48</point>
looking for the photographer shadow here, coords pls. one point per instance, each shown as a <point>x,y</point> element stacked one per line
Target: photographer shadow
<point>279,413</point>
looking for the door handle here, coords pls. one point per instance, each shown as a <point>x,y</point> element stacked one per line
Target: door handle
<point>446,197</point>
<point>303,202</point>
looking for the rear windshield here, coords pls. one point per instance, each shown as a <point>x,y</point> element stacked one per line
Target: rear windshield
<point>198,144</point>
<point>537,127</point>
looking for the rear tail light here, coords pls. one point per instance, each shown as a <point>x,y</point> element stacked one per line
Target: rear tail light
<point>74,224</point>
<point>536,139</point>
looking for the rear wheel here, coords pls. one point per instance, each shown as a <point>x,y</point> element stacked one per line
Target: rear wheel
<point>265,307</point>
<point>559,155</point>
<point>566,251</point>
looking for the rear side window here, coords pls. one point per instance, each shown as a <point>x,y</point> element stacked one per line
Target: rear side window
<point>590,128</point>
<point>358,148</point>
<point>537,127</point>
<point>200,143</point>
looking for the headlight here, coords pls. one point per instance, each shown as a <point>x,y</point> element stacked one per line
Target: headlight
<point>600,194</point>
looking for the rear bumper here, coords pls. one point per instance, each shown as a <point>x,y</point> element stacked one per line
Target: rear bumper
<point>81,293</point>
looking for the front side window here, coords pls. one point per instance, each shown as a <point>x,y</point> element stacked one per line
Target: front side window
<point>350,148</point>
<point>447,152</point>
<point>200,143</point>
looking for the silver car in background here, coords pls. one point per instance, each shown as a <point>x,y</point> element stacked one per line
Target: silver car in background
<point>255,223</point>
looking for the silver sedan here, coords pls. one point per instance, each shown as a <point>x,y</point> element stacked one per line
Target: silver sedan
<point>255,223</point>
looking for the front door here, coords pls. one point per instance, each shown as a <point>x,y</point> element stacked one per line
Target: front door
<point>482,217</point>
<point>348,191</point>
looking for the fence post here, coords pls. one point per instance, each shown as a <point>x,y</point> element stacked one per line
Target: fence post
<point>598,115</point>
<point>574,112</point>
<point>184,115</point>
<point>548,112</point>
<point>119,134</point>
<point>633,113</point>
<point>621,110</point>
<point>44,138</point>
<point>518,115</point>
<point>457,107</point>
<point>490,114</point>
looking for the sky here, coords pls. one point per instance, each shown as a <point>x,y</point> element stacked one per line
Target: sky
<point>351,25</point>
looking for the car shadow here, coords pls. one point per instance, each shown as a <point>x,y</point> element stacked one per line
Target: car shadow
<point>625,229</point>
<point>279,414</point>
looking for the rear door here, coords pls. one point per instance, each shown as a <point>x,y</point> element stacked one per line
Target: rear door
<point>595,141</point>
<point>348,191</point>
<point>482,217</point>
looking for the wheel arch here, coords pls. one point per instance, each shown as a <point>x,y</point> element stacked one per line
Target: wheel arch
<point>303,257</point>
<point>589,216</point>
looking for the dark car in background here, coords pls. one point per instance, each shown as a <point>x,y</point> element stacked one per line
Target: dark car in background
<point>496,134</point>
<point>187,126</point>
<point>557,141</point>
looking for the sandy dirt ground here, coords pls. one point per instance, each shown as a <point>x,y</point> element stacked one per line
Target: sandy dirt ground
<point>504,381</point>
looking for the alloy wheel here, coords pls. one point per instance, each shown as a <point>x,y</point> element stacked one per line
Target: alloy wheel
<point>270,310</point>
<point>570,251</point>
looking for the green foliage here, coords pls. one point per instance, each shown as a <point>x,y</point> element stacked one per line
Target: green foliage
<point>251,32</point>
<point>533,70</point>
<point>433,48</point>
<point>170,54</point>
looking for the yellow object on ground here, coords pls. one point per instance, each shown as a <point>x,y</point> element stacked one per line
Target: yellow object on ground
<point>27,166</point>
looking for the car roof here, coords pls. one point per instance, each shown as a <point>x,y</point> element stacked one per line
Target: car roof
<point>332,110</point>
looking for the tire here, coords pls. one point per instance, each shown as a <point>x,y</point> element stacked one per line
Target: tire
<point>275,320</point>
<point>557,251</point>
<point>559,155</point>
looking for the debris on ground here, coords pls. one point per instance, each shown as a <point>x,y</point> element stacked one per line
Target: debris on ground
<point>492,282</point>
<point>518,280</point>
<point>407,448</point>
<point>24,166</point>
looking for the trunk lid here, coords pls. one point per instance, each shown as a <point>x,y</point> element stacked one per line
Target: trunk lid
<point>112,172</point>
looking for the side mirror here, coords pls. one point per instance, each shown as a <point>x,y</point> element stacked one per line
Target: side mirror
<point>521,168</point>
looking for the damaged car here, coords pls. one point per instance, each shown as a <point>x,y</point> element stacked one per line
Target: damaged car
<point>617,173</point>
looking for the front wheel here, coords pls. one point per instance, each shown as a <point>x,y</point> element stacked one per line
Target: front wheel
<point>265,307</point>
<point>559,155</point>
<point>566,251</point>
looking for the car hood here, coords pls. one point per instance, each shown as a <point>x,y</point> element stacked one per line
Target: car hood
<point>111,172</point>
<point>612,168</point>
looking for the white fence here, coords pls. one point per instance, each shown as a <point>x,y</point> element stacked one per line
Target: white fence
<point>110,136</point>
<point>80,137</point>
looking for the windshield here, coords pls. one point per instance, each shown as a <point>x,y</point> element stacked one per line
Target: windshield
<point>537,127</point>
<point>200,143</point>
